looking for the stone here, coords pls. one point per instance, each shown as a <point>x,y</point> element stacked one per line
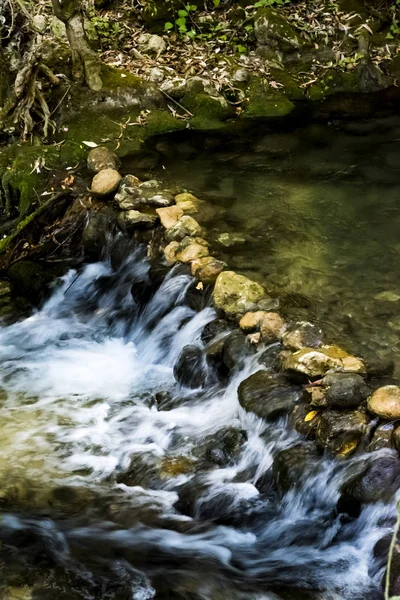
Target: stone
<point>191,205</point>
<point>235,295</point>
<point>383,438</point>
<point>156,75</point>
<point>305,420</point>
<point>254,338</point>
<point>377,480</point>
<point>185,226</point>
<point>170,252</point>
<point>265,396</point>
<point>314,363</point>
<point>30,280</point>
<point>190,370</point>
<point>316,396</point>
<point>251,321</point>
<point>207,269</point>
<point>132,218</point>
<point>176,87</point>
<point>187,252</point>
<point>345,390</point>
<point>40,23</point>
<point>236,350</point>
<point>101,158</point>
<point>105,182</point>
<point>272,327</point>
<point>385,402</point>
<point>340,432</point>
<point>293,465</point>
<point>273,30</point>
<point>303,335</point>
<point>215,329</point>
<point>152,44</point>
<point>169,215</point>
<point>231,239</point>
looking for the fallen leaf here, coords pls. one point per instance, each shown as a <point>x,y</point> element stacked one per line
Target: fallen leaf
<point>90,144</point>
<point>310,416</point>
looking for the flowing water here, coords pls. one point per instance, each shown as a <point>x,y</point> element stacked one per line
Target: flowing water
<point>318,211</point>
<point>107,484</point>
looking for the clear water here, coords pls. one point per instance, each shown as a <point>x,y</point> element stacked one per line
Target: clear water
<point>79,380</point>
<point>319,207</point>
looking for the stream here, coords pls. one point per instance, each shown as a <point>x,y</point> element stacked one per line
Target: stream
<point>118,483</point>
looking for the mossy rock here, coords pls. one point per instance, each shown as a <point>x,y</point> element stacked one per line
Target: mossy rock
<point>266,102</point>
<point>290,85</point>
<point>30,280</point>
<point>209,112</point>
<point>271,28</point>
<point>365,78</point>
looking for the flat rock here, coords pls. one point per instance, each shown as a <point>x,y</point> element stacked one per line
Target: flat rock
<point>385,402</point>
<point>131,218</point>
<point>340,431</point>
<point>303,335</point>
<point>236,295</point>
<point>105,182</point>
<point>313,362</point>
<point>169,215</point>
<point>185,226</point>
<point>265,396</point>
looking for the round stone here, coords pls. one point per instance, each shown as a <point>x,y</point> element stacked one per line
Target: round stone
<point>105,182</point>
<point>385,402</point>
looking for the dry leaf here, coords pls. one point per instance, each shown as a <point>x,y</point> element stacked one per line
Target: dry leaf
<point>310,416</point>
<point>90,144</point>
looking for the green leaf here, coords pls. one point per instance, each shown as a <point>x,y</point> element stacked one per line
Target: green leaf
<point>241,49</point>
<point>168,26</point>
<point>182,13</point>
<point>216,3</point>
<point>191,34</point>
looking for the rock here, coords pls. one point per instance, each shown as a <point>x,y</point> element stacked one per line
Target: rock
<point>221,447</point>
<point>105,182</point>
<point>340,431</point>
<point>30,280</point>
<point>152,44</point>
<point>156,75</point>
<point>170,252</point>
<point>236,349</point>
<point>272,327</point>
<point>305,420</point>
<point>190,369</point>
<point>314,363</point>
<point>95,233</point>
<point>293,465</point>
<point>316,396</point>
<point>241,75</point>
<point>101,158</point>
<point>231,239</point>
<point>254,338</point>
<point>251,321</point>
<point>190,250</point>
<point>383,438</point>
<point>214,329</point>
<point>193,206</point>
<point>169,215</point>
<point>207,269</point>
<point>385,402</point>
<point>185,226</point>
<point>176,87</point>
<point>235,295</point>
<point>345,390</point>
<point>303,335</point>
<point>40,23</point>
<point>133,218</point>
<point>273,30</point>
<point>265,396</point>
<point>17,592</point>
<point>376,481</point>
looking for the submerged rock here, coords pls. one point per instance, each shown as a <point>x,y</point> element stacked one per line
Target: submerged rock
<point>266,397</point>
<point>341,431</point>
<point>316,362</point>
<point>235,295</point>
<point>235,350</point>
<point>105,182</point>
<point>190,369</point>
<point>345,390</point>
<point>231,239</point>
<point>303,335</point>
<point>385,402</point>
<point>133,218</point>
<point>102,158</point>
<point>292,465</point>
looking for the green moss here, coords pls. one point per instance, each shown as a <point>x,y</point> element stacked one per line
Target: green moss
<point>334,82</point>
<point>265,102</point>
<point>208,112</point>
<point>114,79</point>
<point>290,85</point>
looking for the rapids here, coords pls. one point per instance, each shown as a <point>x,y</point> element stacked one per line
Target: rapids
<point>81,381</point>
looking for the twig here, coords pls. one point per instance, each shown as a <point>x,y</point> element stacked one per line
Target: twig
<point>177,103</point>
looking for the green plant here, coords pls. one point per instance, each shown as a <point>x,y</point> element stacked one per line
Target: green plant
<point>262,3</point>
<point>395,25</point>
<point>108,31</point>
<point>182,21</point>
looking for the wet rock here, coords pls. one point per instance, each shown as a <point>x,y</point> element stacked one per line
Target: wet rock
<point>170,252</point>
<point>30,280</point>
<point>190,250</point>
<point>185,226</point>
<point>95,233</point>
<point>303,335</point>
<point>254,338</point>
<point>190,370</point>
<point>192,206</point>
<point>236,349</point>
<point>396,438</point>
<point>16,593</point>
<point>265,396</point>
<point>385,402</point>
<point>305,419</point>
<point>251,321</point>
<point>273,30</point>
<point>235,295</point>
<point>207,269</point>
<point>228,240</point>
<point>169,215</point>
<point>101,158</point>
<point>376,480</point>
<point>222,447</point>
<point>382,438</point>
<point>172,466</point>
<point>134,218</point>
<point>316,396</point>
<point>345,390</point>
<point>133,195</point>
<point>105,182</point>
<point>144,470</point>
<point>293,465</point>
<point>378,368</point>
<point>215,328</point>
<point>197,297</point>
<point>340,431</point>
<point>272,327</point>
<point>316,362</point>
